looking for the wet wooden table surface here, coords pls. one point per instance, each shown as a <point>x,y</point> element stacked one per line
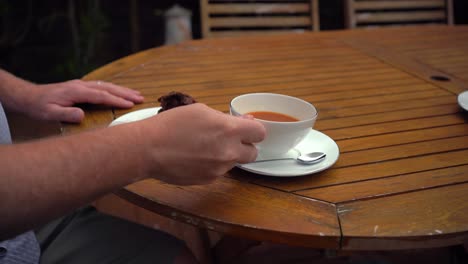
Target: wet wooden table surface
<point>388,98</point>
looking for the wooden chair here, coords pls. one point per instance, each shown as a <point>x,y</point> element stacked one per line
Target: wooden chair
<point>231,18</point>
<point>377,13</point>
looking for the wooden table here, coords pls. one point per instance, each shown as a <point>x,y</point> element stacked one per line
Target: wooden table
<point>388,97</point>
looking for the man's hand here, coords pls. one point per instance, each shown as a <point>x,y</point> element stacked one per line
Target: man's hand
<point>56,101</point>
<point>195,144</point>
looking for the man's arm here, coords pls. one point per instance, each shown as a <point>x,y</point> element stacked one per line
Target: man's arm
<point>41,180</point>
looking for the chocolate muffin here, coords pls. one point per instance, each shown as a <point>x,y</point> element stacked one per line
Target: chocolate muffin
<point>174,99</point>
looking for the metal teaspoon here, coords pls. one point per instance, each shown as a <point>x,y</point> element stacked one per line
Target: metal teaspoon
<point>307,158</point>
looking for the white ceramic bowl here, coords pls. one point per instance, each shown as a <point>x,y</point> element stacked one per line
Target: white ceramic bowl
<point>281,136</point>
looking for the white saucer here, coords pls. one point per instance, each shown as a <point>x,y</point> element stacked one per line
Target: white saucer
<point>135,116</point>
<point>315,141</point>
<point>463,100</point>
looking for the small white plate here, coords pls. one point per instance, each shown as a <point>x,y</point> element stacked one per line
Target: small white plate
<point>315,141</point>
<point>135,116</point>
<point>463,100</point>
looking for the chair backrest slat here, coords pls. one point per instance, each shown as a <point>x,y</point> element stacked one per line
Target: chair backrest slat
<point>260,21</point>
<point>226,18</point>
<point>376,5</point>
<point>258,8</point>
<point>372,13</point>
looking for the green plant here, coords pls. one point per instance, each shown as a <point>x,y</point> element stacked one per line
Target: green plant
<point>87,26</point>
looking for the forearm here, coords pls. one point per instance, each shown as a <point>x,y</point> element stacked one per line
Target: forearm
<point>14,92</point>
<point>42,180</point>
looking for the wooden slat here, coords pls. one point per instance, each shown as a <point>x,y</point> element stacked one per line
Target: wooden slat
<point>255,8</point>
<point>455,61</point>
<point>369,5</point>
<point>324,100</point>
<point>299,87</point>
<point>233,46</point>
<point>236,22</point>
<point>238,52</point>
<point>450,15</point>
<point>350,18</point>
<point>307,64</point>
<point>294,217</point>
<point>397,126</point>
<point>378,141</point>
<point>409,215</point>
<point>388,116</point>
<point>376,100</point>
<point>252,77</point>
<point>372,171</point>
<point>389,186</point>
<point>402,150</point>
<point>400,16</point>
<point>237,33</point>
<point>315,14</point>
<point>204,17</point>
<point>383,107</point>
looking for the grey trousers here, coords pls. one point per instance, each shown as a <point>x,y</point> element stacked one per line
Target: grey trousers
<point>88,236</point>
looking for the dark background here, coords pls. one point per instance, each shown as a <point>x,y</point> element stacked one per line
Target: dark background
<point>56,40</point>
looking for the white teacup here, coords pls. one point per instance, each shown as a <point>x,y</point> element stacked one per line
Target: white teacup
<point>281,136</point>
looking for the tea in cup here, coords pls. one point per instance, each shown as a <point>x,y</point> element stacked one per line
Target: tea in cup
<point>287,119</point>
